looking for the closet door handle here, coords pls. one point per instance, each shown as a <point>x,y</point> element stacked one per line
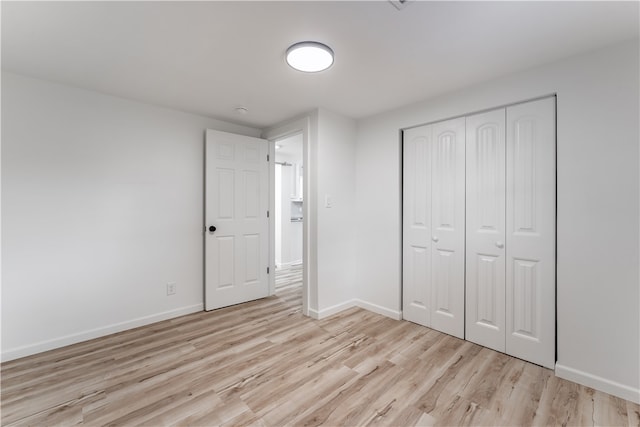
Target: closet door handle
<point>435,239</point>
<point>499,244</point>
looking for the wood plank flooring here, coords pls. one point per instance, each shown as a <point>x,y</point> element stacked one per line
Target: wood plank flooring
<point>263,363</point>
<point>288,276</point>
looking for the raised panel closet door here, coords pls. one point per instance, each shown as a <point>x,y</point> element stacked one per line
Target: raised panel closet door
<point>447,227</point>
<point>416,251</point>
<point>485,203</point>
<point>531,195</point>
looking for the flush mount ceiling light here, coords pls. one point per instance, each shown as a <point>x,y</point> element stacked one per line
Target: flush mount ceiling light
<point>310,57</point>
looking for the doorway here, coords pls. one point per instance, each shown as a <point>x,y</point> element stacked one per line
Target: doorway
<point>301,126</point>
<point>289,217</point>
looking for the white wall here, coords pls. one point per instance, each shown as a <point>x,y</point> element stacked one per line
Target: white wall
<point>102,206</point>
<point>335,175</point>
<point>598,206</point>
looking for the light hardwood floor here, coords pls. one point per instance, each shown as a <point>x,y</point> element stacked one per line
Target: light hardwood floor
<point>288,276</point>
<point>263,363</point>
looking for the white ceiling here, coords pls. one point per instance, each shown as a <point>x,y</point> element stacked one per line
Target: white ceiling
<point>209,57</point>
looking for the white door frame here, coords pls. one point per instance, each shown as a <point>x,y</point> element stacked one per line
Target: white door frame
<point>299,126</point>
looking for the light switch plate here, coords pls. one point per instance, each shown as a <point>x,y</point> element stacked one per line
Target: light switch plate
<point>328,201</point>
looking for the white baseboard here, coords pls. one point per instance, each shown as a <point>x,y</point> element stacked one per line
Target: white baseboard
<point>39,347</point>
<point>394,314</point>
<point>330,311</point>
<point>314,314</point>
<point>602,384</point>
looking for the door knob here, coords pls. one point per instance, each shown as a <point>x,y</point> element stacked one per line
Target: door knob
<point>435,239</point>
<point>212,229</point>
<point>499,244</point>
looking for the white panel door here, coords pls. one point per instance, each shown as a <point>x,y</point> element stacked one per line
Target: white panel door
<point>448,226</point>
<point>236,235</point>
<point>416,253</point>
<point>485,196</point>
<point>530,243</point>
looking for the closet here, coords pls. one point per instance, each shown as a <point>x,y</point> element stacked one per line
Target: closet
<point>479,228</point>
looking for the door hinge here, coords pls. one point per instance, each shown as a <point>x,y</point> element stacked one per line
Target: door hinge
<point>267,157</point>
<point>267,270</point>
<point>267,214</point>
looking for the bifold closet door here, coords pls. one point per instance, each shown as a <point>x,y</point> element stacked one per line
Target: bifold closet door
<point>416,224</point>
<point>433,226</point>
<point>485,246</point>
<point>447,226</point>
<point>530,229</point>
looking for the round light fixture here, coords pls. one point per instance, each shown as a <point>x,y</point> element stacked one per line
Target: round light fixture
<point>310,57</point>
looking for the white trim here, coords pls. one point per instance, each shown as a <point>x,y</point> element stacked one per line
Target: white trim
<point>314,314</point>
<point>272,217</point>
<point>54,343</point>
<point>374,308</point>
<point>330,311</point>
<point>620,390</point>
<point>394,314</point>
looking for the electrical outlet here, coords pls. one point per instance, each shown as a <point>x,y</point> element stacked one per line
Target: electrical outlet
<point>171,288</point>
